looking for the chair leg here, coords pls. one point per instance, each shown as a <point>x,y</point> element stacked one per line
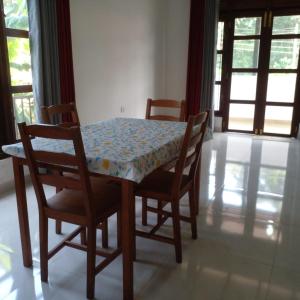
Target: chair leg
<point>119,230</point>
<point>83,236</point>
<point>134,236</point>
<point>44,248</point>
<point>193,215</point>
<point>176,230</point>
<point>159,208</point>
<point>57,222</point>
<point>105,234</point>
<point>58,226</point>
<point>91,260</point>
<point>144,211</point>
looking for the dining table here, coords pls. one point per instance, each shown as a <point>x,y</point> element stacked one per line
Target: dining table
<point>125,149</point>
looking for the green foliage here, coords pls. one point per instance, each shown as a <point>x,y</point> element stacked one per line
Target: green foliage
<point>284,53</point>
<point>286,25</point>
<point>247,26</point>
<point>19,53</point>
<point>16,17</point>
<point>245,53</point>
<point>16,14</point>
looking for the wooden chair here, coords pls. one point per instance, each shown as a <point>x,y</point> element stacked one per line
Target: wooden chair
<point>180,117</point>
<point>57,113</point>
<point>169,187</point>
<point>83,200</point>
<point>165,103</point>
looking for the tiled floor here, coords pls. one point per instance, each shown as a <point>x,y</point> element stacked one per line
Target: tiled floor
<point>248,245</point>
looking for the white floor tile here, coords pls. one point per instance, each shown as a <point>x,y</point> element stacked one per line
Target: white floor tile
<point>248,245</point>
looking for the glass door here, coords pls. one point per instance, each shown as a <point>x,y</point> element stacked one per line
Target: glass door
<point>261,73</point>
<point>283,40</point>
<point>243,73</point>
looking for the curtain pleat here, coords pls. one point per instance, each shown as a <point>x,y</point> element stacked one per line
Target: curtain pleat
<point>195,57</point>
<point>201,61</point>
<point>209,60</point>
<point>65,51</point>
<point>44,52</point>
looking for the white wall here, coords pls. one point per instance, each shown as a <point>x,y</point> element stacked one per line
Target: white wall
<point>126,51</point>
<point>6,174</point>
<point>118,49</point>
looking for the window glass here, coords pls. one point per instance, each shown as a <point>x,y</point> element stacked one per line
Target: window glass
<point>281,87</point>
<point>285,54</point>
<point>219,67</point>
<point>246,53</point>
<point>241,117</point>
<point>243,86</point>
<point>220,36</point>
<point>247,26</point>
<point>16,14</point>
<point>24,109</point>
<point>217,96</point>
<point>19,61</point>
<point>286,25</point>
<point>278,119</point>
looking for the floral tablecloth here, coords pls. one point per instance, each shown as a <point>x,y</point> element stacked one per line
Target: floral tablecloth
<point>121,147</point>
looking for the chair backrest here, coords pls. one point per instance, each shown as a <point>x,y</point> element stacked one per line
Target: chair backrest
<point>56,115</point>
<point>165,103</point>
<point>191,148</point>
<point>56,163</point>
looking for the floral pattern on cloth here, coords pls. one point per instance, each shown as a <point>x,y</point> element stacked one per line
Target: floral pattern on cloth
<point>121,147</point>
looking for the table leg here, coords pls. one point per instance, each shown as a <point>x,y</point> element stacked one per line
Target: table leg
<point>22,211</point>
<point>128,216</point>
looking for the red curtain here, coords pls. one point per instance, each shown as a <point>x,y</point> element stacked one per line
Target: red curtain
<point>67,86</point>
<point>195,57</point>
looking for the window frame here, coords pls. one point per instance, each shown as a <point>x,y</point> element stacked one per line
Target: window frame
<point>228,18</point>
<point>219,82</point>
<point>7,117</point>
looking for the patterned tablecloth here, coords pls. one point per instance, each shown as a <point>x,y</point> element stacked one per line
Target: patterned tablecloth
<point>121,147</point>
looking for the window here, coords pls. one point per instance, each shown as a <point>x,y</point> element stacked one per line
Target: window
<point>16,79</point>
<point>218,80</point>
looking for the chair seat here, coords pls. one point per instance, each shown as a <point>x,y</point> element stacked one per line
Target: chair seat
<point>158,185</point>
<point>106,197</point>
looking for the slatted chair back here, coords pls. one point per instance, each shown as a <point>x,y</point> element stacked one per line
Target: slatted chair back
<point>56,114</point>
<point>57,163</point>
<point>166,103</point>
<point>191,149</point>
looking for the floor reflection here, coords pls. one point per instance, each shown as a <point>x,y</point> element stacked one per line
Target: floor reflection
<point>248,177</point>
<point>248,227</point>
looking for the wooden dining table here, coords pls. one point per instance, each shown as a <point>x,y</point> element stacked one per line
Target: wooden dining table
<point>125,149</point>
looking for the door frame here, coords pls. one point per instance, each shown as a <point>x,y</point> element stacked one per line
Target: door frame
<point>262,70</point>
<point>296,104</point>
<point>228,69</point>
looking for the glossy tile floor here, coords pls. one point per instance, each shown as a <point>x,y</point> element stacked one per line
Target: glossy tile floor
<point>248,245</point>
